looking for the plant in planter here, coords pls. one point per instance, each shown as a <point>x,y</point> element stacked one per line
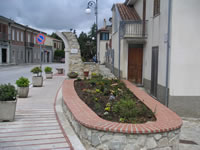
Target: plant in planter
<point>86,73</point>
<point>38,79</point>
<point>23,87</point>
<point>72,75</point>
<point>48,72</point>
<point>8,102</point>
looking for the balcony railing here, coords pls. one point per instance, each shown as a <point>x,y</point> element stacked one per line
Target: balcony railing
<point>134,29</point>
<point>3,36</point>
<point>29,44</point>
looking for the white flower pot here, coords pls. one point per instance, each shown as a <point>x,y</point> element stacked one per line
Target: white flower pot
<point>7,110</point>
<point>37,81</point>
<point>23,92</point>
<point>49,75</point>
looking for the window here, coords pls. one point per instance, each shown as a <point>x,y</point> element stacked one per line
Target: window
<point>54,45</point>
<point>4,28</point>
<point>104,36</point>
<point>34,39</point>
<point>29,37</point>
<point>13,34</point>
<point>17,35</point>
<point>156,8</point>
<point>22,36</point>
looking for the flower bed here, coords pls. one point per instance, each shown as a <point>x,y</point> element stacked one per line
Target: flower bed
<point>111,100</point>
<point>102,134</point>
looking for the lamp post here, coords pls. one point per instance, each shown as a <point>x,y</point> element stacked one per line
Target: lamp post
<point>88,11</point>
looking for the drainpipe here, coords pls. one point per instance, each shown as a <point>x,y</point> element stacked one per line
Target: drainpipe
<point>119,45</point>
<point>144,18</point>
<point>168,52</point>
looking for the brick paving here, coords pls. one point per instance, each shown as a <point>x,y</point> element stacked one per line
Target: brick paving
<point>35,126</point>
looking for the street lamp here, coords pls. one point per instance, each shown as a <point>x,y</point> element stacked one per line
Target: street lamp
<point>88,11</point>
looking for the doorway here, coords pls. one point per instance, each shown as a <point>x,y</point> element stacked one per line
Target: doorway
<point>4,55</point>
<point>47,56</point>
<point>154,71</point>
<point>135,62</point>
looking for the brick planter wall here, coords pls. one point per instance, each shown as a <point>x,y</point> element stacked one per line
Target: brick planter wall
<point>97,133</point>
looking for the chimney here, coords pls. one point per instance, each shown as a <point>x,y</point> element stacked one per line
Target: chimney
<point>104,21</point>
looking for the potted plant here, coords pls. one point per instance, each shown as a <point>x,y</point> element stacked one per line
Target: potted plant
<point>86,72</point>
<point>38,79</point>
<point>8,102</point>
<point>23,87</point>
<point>48,72</point>
<point>72,75</point>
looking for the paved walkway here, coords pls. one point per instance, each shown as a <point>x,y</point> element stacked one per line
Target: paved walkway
<point>35,126</point>
<point>190,134</point>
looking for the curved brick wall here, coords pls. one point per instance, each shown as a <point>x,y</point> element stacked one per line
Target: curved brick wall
<point>161,132</point>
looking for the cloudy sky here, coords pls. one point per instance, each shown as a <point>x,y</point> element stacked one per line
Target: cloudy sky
<point>56,15</point>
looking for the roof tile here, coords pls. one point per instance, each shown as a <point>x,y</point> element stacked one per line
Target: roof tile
<point>127,12</point>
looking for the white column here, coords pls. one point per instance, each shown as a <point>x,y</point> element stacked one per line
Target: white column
<point>67,50</point>
<point>8,54</point>
<point>67,60</point>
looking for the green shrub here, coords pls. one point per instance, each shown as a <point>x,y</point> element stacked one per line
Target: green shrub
<point>59,54</point>
<point>72,74</point>
<point>22,82</point>
<point>7,92</point>
<point>79,79</point>
<point>48,69</point>
<point>128,111</point>
<point>36,70</point>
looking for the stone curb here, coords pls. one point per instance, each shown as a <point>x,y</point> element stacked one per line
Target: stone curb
<point>72,137</point>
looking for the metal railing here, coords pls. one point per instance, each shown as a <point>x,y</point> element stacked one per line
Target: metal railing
<point>3,36</point>
<point>134,29</point>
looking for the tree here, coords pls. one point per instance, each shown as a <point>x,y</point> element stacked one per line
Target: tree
<point>54,35</point>
<point>59,54</point>
<point>88,44</point>
<point>83,38</point>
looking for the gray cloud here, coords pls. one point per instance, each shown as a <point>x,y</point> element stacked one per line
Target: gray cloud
<point>52,15</point>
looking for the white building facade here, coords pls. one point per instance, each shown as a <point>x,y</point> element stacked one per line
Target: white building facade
<point>156,45</point>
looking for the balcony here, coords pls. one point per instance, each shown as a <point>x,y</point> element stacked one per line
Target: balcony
<point>29,44</point>
<point>3,36</point>
<point>134,29</point>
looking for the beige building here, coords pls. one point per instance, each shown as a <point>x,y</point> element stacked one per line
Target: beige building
<point>55,44</point>
<point>103,42</point>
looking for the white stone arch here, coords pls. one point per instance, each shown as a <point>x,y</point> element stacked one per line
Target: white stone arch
<point>67,49</point>
<point>73,61</point>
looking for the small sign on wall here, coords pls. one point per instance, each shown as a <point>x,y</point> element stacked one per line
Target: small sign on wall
<point>74,51</point>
